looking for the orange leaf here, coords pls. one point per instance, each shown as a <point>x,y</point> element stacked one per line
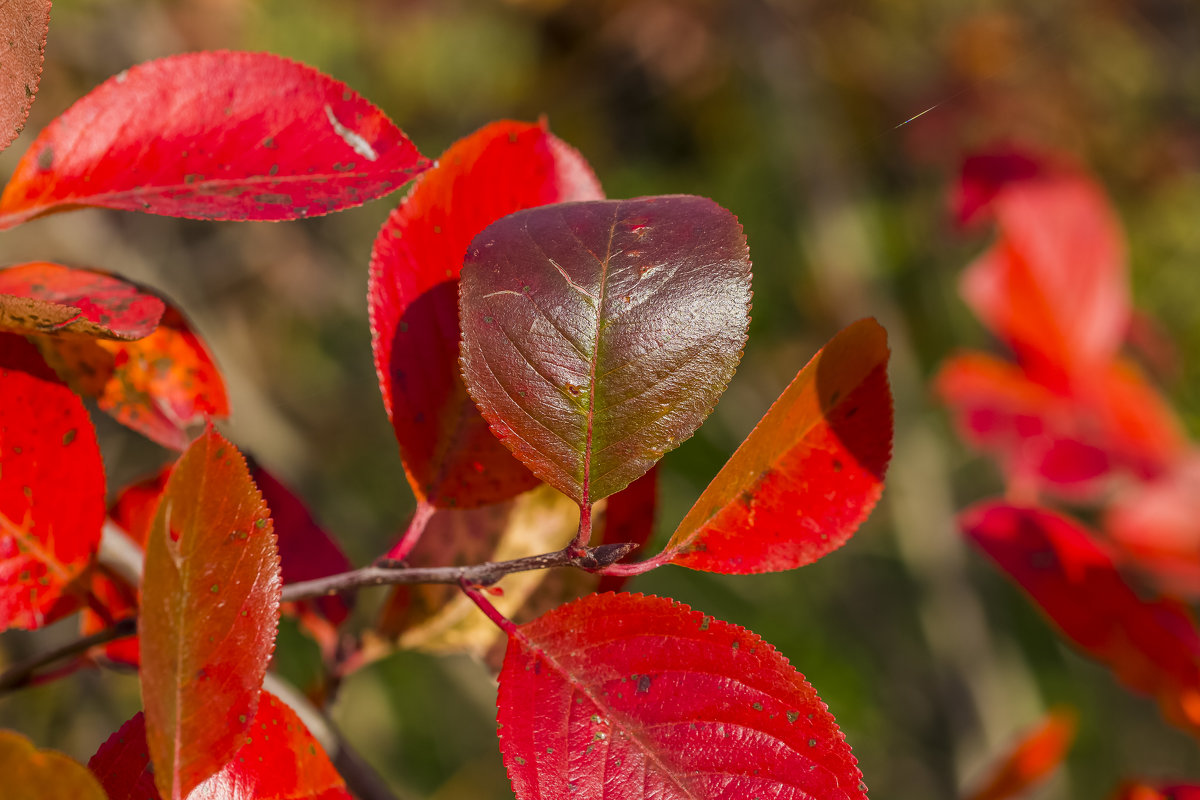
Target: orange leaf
<point>210,607</point>
<point>1032,758</point>
<point>32,774</point>
<point>807,475</point>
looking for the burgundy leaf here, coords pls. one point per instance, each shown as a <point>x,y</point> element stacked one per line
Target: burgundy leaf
<point>24,23</point>
<point>42,297</point>
<point>213,135</point>
<point>451,457</point>
<point>52,492</point>
<point>597,336</point>
<point>633,697</point>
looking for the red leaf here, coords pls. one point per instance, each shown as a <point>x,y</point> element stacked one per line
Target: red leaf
<point>52,494</point>
<point>1063,440</point>
<point>24,23</point>
<point>599,335</point>
<point>985,175</point>
<point>306,550</point>
<point>1054,285</point>
<point>1153,647</point>
<point>1141,791</point>
<point>450,455</point>
<point>210,607</point>
<point>159,385</point>
<point>1157,525</point>
<point>282,761</point>
<point>629,517</point>
<point>41,297</point>
<point>134,512</point>
<point>32,774</point>
<point>626,696</point>
<point>213,135</point>
<point>1032,758</point>
<point>807,475</point>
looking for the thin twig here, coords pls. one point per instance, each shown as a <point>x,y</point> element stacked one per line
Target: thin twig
<point>20,675</point>
<point>592,559</point>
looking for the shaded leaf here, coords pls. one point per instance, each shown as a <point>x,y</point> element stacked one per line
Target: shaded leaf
<point>1152,646</point>
<point>807,475</point>
<point>1063,440</point>
<point>25,23</point>
<point>213,135</point>
<point>159,385</point>
<point>440,618</point>
<point>986,174</point>
<point>134,512</point>
<point>629,517</point>
<point>599,335</point>
<point>210,607</point>
<point>641,697</point>
<point>1031,760</point>
<point>306,550</point>
<point>42,297</point>
<point>52,494</point>
<point>1054,286</point>
<point>1142,791</point>
<point>32,774</point>
<point>281,761</point>
<point>450,456</point>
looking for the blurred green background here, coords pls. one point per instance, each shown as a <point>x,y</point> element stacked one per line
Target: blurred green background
<point>789,114</point>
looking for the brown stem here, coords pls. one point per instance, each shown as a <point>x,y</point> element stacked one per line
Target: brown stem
<point>579,545</point>
<point>23,674</point>
<point>592,559</point>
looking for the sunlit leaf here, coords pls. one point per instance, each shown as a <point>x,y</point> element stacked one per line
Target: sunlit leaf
<point>32,774</point>
<point>1063,440</point>
<point>24,23</point>
<point>1152,646</point>
<point>210,607</point>
<point>643,697</point>
<point>807,475</point>
<point>1031,759</point>
<point>213,135</point>
<point>597,336</point>
<point>159,385</point>
<point>52,492</point>
<point>451,457</point>
<point>280,761</point>
<point>1054,286</point>
<point>42,297</point>
<point>1156,525</point>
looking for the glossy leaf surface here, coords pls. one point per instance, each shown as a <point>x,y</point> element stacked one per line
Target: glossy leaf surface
<point>597,336</point>
<point>52,492</point>
<point>1031,760</point>
<point>159,385</point>
<point>451,457</point>
<point>24,23</point>
<point>807,475</point>
<point>213,135</point>
<point>32,774</point>
<point>280,761</point>
<point>42,297</point>
<point>643,697</point>
<point>1153,646</point>
<point>210,607</point>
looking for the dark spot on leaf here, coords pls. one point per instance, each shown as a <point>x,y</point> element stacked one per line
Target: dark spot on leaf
<point>792,716</point>
<point>837,465</point>
<point>68,437</point>
<point>45,159</point>
<point>643,686</point>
